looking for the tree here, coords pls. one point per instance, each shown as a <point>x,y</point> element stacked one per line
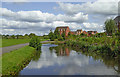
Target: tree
<point>63,35</point>
<point>110,26</point>
<point>35,42</point>
<point>13,36</point>
<point>51,35</point>
<point>26,36</point>
<point>57,34</point>
<point>31,35</point>
<point>69,34</point>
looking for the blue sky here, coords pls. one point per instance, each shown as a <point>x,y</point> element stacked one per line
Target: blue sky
<point>30,6</point>
<point>40,17</point>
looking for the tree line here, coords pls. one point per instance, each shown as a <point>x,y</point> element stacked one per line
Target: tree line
<point>26,36</point>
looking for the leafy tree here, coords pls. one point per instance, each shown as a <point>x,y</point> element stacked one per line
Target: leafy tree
<point>31,35</point>
<point>60,38</point>
<point>63,35</point>
<point>51,35</point>
<point>69,34</point>
<point>110,26</point>
<point>26,36</point>
<point>57,34</point>
<point>35,42</point>
<point>82,34</point>
<point>20,36</point>
<point>6,36</point>
<point>13,36</point>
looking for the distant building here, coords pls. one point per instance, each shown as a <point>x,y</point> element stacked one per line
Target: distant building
<point>73,32</point>
<point>79,31</point>
<point>92,33</point>
<point>63,29</point>
<point>66,30</point>
<point>117,21</point>
<point>84,32</point>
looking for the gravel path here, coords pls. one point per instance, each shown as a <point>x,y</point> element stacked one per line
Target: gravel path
<point>14,47</point>
<point>11,48</point>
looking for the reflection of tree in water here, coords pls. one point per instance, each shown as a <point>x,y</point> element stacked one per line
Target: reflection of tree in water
<point>36,55</point>
<point>61,50</point>
<point>107,60</point>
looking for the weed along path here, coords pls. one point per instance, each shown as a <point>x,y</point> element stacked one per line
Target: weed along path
<point>11,48</point>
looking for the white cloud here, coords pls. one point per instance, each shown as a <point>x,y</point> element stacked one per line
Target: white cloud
<point>40,23</point>
<point>104,7</point>
<point>93,26</point>
<point>38,16</point>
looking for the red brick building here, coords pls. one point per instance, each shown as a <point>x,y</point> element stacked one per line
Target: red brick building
<point>63,29</point>
<point>92,33</point>
<point>78,32</point>
<point>84,32</point>
<point>66,30</point>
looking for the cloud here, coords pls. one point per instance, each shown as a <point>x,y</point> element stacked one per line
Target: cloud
<point>93,26</point>
<point>36,21</point>
<point>104,7</point>
<point>38,16</point>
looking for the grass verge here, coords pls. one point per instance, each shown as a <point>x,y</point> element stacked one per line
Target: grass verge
<point>14,61</point>
<point>10,42</point>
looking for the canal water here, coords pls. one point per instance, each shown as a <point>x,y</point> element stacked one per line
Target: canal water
<point>63,60</point>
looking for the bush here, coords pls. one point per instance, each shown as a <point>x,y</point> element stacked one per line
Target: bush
<point>35,42</point>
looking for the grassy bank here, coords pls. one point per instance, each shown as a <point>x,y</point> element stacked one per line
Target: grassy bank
<point>10,42</point>
<point>100,45</point>
<point>14,61</point>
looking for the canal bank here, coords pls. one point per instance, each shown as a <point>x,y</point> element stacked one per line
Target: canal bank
<point>16,60</point>
<point>64,60</point>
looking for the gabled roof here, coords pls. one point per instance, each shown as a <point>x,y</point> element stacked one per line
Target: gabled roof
<point>79,30</point>
<point>117,19</point>
<point>63,27</point>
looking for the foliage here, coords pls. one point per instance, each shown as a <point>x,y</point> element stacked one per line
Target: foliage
<point>51,35</point>
<point>56,35</point>
<point>110,26</point>
<point>82,34</point>
<point>35,42</point>
<point>101,45</point>
<point>63,35</point>
<point>32,35</point>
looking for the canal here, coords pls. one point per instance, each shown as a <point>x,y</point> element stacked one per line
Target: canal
<point>63,60</point>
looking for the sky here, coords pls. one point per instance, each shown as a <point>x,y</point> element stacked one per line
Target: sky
<point>40,17</point>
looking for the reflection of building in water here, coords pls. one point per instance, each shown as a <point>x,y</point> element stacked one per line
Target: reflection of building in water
<point>64,52</point>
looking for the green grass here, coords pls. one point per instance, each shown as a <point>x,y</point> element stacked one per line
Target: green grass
<point>14,61</point>
<point>10,42</point>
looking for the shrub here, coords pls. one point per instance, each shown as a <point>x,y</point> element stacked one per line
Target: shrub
<point>35,42</point>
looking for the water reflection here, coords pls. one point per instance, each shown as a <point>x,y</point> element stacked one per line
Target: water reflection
<point>61,60</point>
<point>61,50</point>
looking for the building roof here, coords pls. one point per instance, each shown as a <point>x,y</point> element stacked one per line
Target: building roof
<point>84,32</point>
<point>90,31</point>
<point>93,31</point>
<point>79,30</point>
<point>63,27</point>
<point>117,19</point>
